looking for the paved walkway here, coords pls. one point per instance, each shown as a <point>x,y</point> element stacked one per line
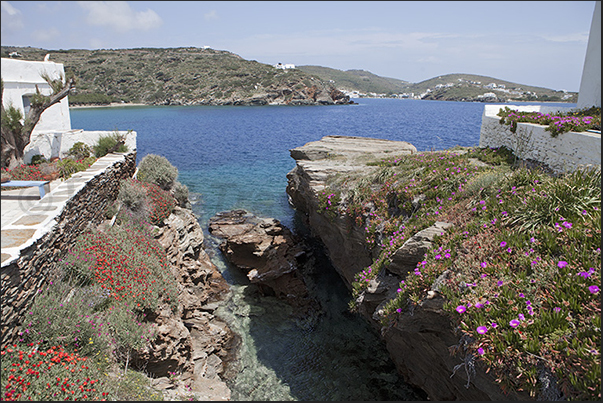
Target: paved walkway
<point>15,203</point>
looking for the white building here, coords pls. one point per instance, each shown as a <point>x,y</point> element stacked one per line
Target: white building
<point>284,66</point>
<point>20,80</point>
<point>590,86</point>
<point>52,136</point>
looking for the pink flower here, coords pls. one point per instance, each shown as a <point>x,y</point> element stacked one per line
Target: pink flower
<point>461,308</point>
<point>480,351</point>
<point>514,323</point>
<point>484,264</point>
<point>482,329</point>
<point>593,289</point>
<point>562,264</point>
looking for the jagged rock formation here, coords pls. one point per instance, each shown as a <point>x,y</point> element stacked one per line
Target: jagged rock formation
<point>268,252</point>
<point>192,342</point>
<point>420,342</point>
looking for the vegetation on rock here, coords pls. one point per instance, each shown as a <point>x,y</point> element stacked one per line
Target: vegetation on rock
<point>519,268</point>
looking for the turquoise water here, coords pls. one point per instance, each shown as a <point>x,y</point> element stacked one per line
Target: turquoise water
<point>238,157</point>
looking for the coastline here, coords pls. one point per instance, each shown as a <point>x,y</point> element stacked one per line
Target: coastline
<point>111,105</point>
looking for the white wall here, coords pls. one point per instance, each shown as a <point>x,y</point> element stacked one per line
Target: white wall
<point>590,86</point>
<point>21,77</point>
<point>57,144</point>
<point>563,153</point>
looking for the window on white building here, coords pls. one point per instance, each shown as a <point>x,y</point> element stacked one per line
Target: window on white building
<point>26,104</point>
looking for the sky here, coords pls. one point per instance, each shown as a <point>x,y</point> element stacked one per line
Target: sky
<point>537,43</point>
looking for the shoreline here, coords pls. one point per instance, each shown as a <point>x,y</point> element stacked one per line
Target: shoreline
<point>111,105</point>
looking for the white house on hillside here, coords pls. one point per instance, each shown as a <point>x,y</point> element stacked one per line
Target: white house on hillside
<point>20,80</point>
<point>284,66</point>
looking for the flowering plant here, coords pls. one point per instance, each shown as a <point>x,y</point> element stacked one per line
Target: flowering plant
<point>519,269</point>
<point>557,123</point>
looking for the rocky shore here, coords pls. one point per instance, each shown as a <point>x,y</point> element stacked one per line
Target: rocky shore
<point>192,343</point>
<point>420,342</point>
<point>268,253</point>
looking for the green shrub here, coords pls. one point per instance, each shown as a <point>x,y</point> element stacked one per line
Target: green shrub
<point>37,159</point>
<point>157,170</point>
<point>110,143</point>
<point>133,196</point>
<point>69,166</point>
<point>180,193</point>
<point>146,201</point>
<point>80,151</point>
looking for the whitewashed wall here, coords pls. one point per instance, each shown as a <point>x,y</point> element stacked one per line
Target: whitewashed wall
<point>57,144</point>
<point>563,153</point>
<point>590,86</point>
<point>21,77</point>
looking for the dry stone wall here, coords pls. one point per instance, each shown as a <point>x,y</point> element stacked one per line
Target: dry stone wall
<point>73,206</point>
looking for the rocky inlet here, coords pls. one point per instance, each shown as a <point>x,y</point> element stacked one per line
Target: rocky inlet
<point>268,253</point>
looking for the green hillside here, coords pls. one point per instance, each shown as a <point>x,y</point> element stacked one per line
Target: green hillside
<point>358,80</point>
<point>205,76</point>
<point>449,87</point>
<point>180,76</point>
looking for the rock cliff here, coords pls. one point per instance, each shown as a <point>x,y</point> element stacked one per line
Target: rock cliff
<point>421,341</point>
<point>193,342</point>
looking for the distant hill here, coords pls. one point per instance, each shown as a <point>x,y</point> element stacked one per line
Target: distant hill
<point>358,80</point>
<point>205,76</point>
<point>181,76</point>
<point>449,87</point>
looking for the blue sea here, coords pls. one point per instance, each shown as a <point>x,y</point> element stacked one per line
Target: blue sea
<point>234,157</point>
<point>238,156</point>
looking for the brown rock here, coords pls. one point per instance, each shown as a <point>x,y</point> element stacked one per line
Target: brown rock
<point>266,251</point>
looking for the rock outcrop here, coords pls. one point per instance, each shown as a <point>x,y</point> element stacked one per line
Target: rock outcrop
<point>420,341</point>
<point>269,253</point>
<point>192,342</point>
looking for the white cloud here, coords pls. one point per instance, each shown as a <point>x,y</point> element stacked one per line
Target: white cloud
<point>9,9</point>
<point>118,16</point>
<point>576,37</point>
<point>11,17</point>
<point>212,15</point>
<point>46,35</point>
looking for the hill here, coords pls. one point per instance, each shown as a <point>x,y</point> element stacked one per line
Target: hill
<point>450,87</point>
<point>358,80</point>
<point>181,76</point>
<point>205,76</point>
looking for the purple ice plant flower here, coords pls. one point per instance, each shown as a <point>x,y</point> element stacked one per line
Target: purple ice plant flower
<point>514,323</point>
<point>482,329</point>
<point>593,289</point>
<point>480,351</point>
<point>461,308</point>
<point>562,264</point>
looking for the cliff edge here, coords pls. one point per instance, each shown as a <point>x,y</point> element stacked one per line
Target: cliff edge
<point>420,342</point>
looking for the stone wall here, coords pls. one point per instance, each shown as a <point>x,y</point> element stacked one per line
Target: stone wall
<point>563,153</point>
<point>79,202</point>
